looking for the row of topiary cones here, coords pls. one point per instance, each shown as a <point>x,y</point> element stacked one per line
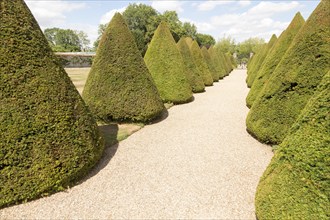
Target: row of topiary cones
<point>124,86</point>
<point>290,107</point>
<point>48,135</point>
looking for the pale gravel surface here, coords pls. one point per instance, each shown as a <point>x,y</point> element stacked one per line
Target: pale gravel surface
<point>199,163</point>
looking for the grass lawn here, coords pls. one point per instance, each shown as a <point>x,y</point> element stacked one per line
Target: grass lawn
<point>112,133</point>
<point>78,77</point>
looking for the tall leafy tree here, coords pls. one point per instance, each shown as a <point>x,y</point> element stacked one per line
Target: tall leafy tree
<point>142,20</point>
<point>226,44</point>
<point>205,40</point>
<point>66,40</point>
<point>245,48</point>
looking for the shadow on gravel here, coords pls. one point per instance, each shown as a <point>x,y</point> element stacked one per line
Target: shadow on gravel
<point>109,133</point>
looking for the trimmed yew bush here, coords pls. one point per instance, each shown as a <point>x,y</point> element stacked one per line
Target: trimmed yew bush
<point>252,61</point>
<point>166,66</point>
<point>201,64</point>
<point>259,60</point>
<point>223,61</point>
<point>191,70</point>
<point>48,137</point>
<point>217,61</point>
<point>296,184</point>
<point>274,57</point>
<point>119,86</point>
<point>210,64</point>
<point>294,80</point>
<point>189,41</point>
<point>229,63</point>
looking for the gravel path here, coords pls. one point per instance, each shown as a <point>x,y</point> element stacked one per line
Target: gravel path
<point>199,163</point>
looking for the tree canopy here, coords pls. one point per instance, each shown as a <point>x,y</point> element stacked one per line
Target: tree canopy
<point>143,20</point>
<point>66,40</point>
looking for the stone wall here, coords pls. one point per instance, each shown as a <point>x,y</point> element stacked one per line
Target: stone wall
<point>80,59</point>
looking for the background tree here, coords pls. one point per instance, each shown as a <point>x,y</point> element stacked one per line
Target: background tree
<point>248,46</point>
<point>205,40</point>
<point>142,20</point>
<point>100,31</point>
<point>174,24</point>
<point>84,42</point>
<point>226,44</point>
<point>66,40</point>
<point>190,30</point>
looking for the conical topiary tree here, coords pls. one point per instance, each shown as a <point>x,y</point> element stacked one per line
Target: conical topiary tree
<point>294,80</point>
<point>200,63</point>
<point>216,60</point>
<point>210,64</point>
<point>232,61</point>
<point>253,59</point>
<point>48,137</point>
<point>274,57</point>
<point>189,41</point>
<point>166,66</point>
<point>296,183</point>
<point>259,59</point>
<point>119,86</point>
<point>223,60</point>
<point>191,70</point>
<point>228,60</point>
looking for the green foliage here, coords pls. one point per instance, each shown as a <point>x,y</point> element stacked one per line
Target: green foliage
<point>192,73</point>
<point>274,57</point>
<point>190,30</point>
<point>166,66</point>
<point>296,184</point>
<point>49,138</point>
<point>100,31</point>
<point>205,40</point>
<point>226,44</point>
<point>171,18</point>
<point>248,46</point>
<point>142,20</point>
<point>232,61</point>
<point>200,63</point>
<point>259,60</point>
<point>119,86</point>
<point>217,61</point>
<point>210,64</point>
<point>223,60</point>
<point>294,80</point>
<point>226,62</point>
<point>66,40</point>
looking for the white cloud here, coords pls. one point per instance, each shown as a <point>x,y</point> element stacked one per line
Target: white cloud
<point>108,16</point>
<point>244,3</point>
<point>270,8</point>
<point>210,5</point>
<point>53,13</point>
<point>162,5</point>
<point>258,21</point>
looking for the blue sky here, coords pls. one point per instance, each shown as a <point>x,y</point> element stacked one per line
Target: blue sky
<point>238,19</point>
